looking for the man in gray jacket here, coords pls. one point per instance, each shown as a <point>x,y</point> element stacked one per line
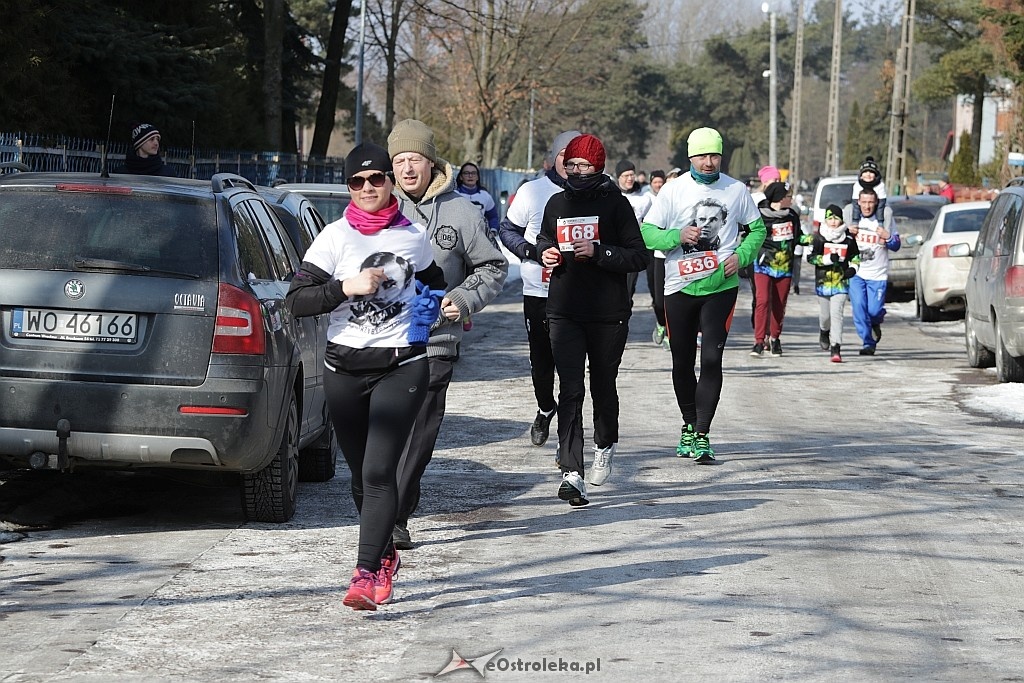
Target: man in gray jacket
<point>474,268</point>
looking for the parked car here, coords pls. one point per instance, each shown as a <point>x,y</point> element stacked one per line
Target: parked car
<point>940,279</point>
<point>836,190</point>
<point>994,319</point>
<point>303,223</point>
<point>329,199</point>
<point>144,325</point>
<point>299,216</point>
<point>913,216</point>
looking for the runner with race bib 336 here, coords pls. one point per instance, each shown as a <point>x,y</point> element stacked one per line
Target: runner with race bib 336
<point>697,222</point>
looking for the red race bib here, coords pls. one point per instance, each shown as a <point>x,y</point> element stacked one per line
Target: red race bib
<point>835,250</point>
<point>782,231</point>
<point>698,265</point>
<point>581,228</point>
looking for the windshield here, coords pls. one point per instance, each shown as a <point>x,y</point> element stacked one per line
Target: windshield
<point>42,229</point>
<point>839,194</point>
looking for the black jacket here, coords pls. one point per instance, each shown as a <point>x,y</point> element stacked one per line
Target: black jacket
<point>594,290</point>
<point>136,165</point>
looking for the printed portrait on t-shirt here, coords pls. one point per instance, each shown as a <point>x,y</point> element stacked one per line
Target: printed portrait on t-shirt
<point>377,312</point>
<point>709,215</point>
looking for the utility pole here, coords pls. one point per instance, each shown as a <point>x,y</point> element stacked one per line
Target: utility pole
<point>529,143</point>
<point>359,81</point>
<point>832,128</point>
<point>798,77</point>
<point>895,165</point>
<point>773,77</point>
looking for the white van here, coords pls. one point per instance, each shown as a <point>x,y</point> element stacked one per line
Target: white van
<point>836,190</point>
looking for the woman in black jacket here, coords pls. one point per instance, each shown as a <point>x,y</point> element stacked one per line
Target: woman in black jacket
<point>591,238</point>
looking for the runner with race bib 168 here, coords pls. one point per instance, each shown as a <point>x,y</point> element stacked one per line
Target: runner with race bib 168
<point>709,227</point>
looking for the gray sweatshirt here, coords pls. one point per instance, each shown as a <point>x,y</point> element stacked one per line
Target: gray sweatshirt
<point>473,265</point>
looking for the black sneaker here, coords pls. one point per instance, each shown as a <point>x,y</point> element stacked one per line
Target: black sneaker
<point>776,347</point>
<point>401,538</point>
<point>823,339</point>
<point>541,426</point>
<point>867,351</point>
<point>757,350</point>
<point>876,332</point>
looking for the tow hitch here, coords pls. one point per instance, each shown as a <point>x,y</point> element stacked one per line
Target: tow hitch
<point>43,461</point>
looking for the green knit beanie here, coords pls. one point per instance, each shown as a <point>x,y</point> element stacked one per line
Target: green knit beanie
<point>703,141</point>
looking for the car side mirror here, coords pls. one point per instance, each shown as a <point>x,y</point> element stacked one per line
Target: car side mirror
<point>914,240</point>
<point>960,249</point>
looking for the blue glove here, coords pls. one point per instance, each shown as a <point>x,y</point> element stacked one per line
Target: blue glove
<point>425,308</point>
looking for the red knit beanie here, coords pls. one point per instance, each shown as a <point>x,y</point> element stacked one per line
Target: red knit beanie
<point>587,147</point>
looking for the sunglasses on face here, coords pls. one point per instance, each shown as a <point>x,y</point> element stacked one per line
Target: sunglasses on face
<point>356,182</point>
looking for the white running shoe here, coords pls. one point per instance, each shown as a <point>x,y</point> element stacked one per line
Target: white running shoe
<point>602,467</point>
<point>573,489</point>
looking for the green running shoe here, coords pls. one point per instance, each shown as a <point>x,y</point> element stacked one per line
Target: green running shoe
<point>702,453</point>
<point>685,447</point>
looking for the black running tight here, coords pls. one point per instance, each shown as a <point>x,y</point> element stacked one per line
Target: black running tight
<point>373,416</point>
<point>687,315</point>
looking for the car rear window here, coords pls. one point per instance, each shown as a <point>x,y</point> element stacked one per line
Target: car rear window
<point>964,221</point>
<point>839,194</point>
<point>50,230</point>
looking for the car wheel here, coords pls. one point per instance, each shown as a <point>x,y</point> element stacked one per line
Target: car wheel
<point>318,461</point>
<point>925,313</point>
<point>977,355</point>
<point>1008,368</point>
<point>269,495</point>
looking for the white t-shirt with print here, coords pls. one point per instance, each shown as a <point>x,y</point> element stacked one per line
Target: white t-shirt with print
<point>677,206</point>
<point>527,210</point>
<point>874,255</point>
<point>381,319</point>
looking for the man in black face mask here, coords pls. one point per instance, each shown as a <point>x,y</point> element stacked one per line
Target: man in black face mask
<point>590,237</point>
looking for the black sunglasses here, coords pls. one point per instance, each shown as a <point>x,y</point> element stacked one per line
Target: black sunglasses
<point>356,182</point>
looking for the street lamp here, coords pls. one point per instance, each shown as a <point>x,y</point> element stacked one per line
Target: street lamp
<point>773,123</point>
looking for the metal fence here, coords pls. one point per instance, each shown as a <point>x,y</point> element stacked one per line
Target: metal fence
<point>63,154</point>
<point>55,153</point>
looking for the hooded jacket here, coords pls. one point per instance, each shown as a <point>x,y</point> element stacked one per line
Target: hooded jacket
<point>464,248</point>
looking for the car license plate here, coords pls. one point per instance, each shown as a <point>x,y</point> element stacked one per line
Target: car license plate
<point>79,326</point>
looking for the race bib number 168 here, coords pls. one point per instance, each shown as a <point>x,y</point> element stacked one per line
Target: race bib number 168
<point>578,228</point>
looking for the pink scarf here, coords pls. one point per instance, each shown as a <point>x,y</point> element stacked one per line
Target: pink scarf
<point>371,223</point>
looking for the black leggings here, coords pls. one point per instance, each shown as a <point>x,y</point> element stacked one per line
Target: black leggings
<point>656,284</point>
<point>373,416</point>
<point>542,363</point>
<point>686,315</point>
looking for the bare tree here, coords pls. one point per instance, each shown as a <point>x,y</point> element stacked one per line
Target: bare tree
<point>332,79</point>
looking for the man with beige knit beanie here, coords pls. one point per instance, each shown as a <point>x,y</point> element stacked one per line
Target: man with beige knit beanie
<point>474,268</point>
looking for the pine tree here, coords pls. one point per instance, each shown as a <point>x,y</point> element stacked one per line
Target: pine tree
<point>962,171</point>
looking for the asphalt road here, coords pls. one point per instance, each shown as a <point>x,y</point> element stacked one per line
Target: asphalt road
<point>861,524</point>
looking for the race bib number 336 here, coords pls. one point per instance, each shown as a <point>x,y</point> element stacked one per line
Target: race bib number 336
<point>578,228</point>
<point>698,265</point>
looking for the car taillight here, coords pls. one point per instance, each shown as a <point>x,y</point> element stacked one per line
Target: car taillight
<point>239,326</point>
<point>940,251</point>
<point>1013,282</point>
